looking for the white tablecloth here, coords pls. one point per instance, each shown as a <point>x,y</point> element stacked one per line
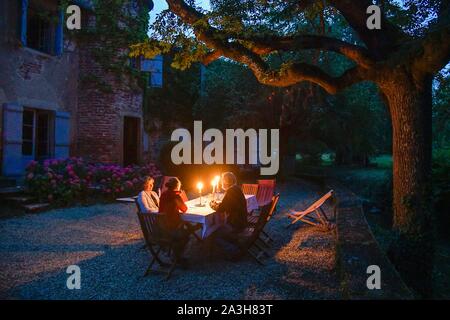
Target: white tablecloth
<point>207,217</point>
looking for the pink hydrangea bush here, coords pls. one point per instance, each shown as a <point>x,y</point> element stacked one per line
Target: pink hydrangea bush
<point>73,179</point>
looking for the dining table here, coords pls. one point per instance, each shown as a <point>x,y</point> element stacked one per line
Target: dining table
<point>207,218</point>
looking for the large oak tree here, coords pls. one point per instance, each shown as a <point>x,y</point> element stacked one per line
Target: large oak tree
<point>401,62</point>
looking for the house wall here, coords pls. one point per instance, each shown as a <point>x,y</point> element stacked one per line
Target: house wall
<point>30,78</point>
<point>92,118</point>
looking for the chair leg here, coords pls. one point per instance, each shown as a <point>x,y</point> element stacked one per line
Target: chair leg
<point>256,256</point>
<point>172,267</point>
<point>261,247</point>
<point>269,238</point>
<point>155,254</point>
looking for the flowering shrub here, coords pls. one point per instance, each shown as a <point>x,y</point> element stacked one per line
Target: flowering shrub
<point>68,180</point>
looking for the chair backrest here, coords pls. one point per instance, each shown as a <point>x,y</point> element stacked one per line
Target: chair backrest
<point>273,206</point>
<point>249,188</point>
<point>150,225</point>
<point>264,216</point>
<point>267,182</point>
<point>264,194</point>
<point>319,202</point>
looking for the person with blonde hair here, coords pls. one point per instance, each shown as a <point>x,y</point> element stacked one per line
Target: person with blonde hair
<point>148,199</point>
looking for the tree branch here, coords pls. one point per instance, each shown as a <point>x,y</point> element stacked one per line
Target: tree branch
<point>435,46</point>
<point>379,42</point>
<point>286,76</point>
<point>264,45</point>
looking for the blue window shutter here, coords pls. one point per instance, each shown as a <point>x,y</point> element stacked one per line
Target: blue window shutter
<point>62,134</point>
<point>13,164</point>
<point>59,34</point>
<point>23,22</point>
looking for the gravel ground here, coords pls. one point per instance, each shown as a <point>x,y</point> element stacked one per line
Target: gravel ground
<point>105,242</point>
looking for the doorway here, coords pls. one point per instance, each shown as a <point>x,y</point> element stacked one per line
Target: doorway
<point>131,129</point>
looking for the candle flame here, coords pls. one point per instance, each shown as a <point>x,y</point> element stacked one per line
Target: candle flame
<point>200,185</point>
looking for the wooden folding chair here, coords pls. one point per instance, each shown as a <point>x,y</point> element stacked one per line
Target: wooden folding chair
<point>267,182</point>
<point>306,216</point>
<point>249,188</point>
<point>266,238</point>
<point>156,241</point>
<point>249,237</point>
<point>264,194</point>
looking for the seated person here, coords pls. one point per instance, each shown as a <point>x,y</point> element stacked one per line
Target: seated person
<point>172,205</point>
<point>235,206</point>
<point>148,199</point>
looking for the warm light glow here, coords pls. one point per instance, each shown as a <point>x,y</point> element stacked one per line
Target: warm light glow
<point>216,179</point>
<point>200,186</point>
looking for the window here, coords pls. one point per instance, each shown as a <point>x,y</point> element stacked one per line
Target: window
<point>41,30</point>
<point>36,128</point>
<point>155,69</point>
<point>41,26</point>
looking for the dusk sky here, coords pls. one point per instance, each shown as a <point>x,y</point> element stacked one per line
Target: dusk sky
<point>161,5</point>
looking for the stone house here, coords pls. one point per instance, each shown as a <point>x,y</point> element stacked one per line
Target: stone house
<point>47,111</point>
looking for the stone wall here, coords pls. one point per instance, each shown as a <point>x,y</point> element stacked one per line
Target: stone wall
<point>357,249</point>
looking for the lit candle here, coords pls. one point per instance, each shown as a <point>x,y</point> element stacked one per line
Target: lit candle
<point>200,187</point>
<point>215,184</point>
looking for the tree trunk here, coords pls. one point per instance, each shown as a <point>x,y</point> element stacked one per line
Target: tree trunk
<point>410,107</point>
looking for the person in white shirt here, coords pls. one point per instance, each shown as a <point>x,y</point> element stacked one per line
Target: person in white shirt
<point>148,199</point>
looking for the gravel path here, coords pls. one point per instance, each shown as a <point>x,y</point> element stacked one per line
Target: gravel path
<point>105,242</point>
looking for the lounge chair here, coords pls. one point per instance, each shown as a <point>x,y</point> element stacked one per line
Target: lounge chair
<point>314,214</point>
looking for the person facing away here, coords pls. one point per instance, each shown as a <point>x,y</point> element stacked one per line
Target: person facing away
<point>233,203</point>
<point>148,199</point>
<point>172,205</point>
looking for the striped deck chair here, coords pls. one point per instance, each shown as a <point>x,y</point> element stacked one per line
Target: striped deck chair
<point>155,242</point>
<point>249,188</point>
<point>319,220</point>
